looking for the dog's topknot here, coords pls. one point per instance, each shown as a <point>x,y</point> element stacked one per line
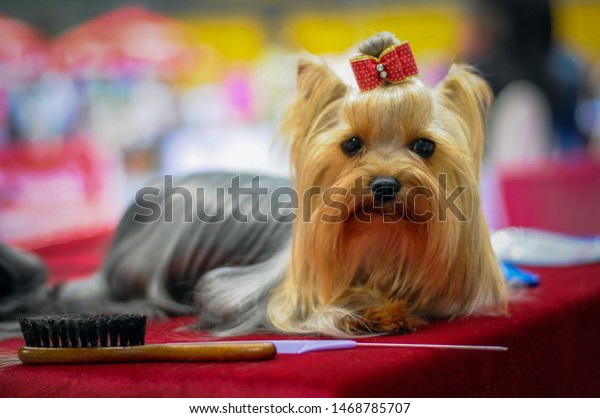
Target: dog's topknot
<point>376,44</point>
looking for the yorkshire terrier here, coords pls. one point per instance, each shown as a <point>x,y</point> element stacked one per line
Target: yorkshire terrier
<point>388,231</point>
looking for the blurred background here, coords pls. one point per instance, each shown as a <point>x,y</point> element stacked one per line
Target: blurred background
<point>98,97</point>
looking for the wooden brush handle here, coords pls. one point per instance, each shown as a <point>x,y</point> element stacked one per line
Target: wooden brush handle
<point>193,352</point>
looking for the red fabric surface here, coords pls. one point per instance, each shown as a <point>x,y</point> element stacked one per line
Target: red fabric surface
<point>552,335</point>
<point>561,196</point>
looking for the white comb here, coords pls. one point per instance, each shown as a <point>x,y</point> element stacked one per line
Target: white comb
<point>307,346</point>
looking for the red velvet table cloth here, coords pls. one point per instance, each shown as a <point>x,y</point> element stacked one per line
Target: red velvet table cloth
<point>552,333</point>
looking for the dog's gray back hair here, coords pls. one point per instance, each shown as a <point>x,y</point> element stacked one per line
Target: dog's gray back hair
<point>224,268</point>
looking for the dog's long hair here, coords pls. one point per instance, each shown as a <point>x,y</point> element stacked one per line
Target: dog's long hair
<point>442,268</point>
<point>346,265</point>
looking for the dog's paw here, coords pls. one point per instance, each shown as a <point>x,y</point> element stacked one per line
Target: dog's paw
<point>393,317</point>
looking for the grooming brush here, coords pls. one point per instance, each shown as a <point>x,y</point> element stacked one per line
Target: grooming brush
<point>88,339</point>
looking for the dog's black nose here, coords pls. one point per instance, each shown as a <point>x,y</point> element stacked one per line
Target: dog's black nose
<point>385,189</point>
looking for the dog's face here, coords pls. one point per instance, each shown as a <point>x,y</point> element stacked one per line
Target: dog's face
<point>391,202</point>
<point>383,166</point>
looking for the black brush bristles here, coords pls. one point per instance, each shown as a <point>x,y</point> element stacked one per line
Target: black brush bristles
<point>84,330</point>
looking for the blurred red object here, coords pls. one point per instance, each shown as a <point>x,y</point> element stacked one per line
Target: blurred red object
<point>560,196</point>
<point>56,192</point>
<point>23,51</point>
<point>123,41</point>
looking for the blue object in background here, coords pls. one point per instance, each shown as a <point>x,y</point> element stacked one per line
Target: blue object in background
<point>517,277</point>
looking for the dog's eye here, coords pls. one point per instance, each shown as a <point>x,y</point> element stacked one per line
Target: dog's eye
<point>423,147</point>
<point>352,146</point>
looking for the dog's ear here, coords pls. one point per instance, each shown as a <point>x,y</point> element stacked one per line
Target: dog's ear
<point>318,87</point>
<point>317,84</point>
<point>469,97</point>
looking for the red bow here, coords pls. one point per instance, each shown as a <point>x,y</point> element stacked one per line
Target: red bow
<point>395,64</point>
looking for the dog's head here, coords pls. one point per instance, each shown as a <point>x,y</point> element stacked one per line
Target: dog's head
<point>389,181</point>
